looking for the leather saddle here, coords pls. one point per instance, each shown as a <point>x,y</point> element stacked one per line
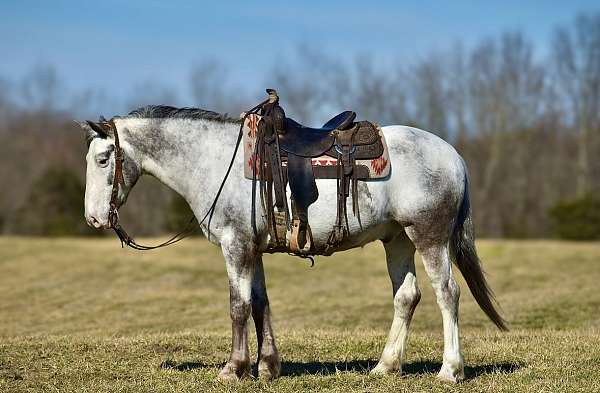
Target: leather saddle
<point>340,138</point>
<point>289,152</point>
<point>313,142</point>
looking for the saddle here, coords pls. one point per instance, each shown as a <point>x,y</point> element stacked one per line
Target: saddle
<point>342,149</point>
<point>340,138</point>
<point>313,142</point>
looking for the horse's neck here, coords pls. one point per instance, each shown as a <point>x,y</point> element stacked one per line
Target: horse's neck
<point>182,153</point>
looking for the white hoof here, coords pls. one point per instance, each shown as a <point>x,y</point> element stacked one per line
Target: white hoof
<point>449,375</point>
<point>234,372</point>
<point>382,369</point>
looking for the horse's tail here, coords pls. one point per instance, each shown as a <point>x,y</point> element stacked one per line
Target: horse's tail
<point>462,247</point>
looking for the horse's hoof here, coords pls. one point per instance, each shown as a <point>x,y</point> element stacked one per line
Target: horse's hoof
<point>382,369</point>
<point>447,375</point>
<point>269,369</point>
<point>232,372</point>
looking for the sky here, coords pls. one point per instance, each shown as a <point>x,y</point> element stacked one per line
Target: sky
<point>113,46</point>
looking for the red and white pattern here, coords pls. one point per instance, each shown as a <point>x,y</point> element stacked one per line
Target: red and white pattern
<point>379,164</point>
<point>251,125</point>
<point>254,160</point>
<point>324,161</point>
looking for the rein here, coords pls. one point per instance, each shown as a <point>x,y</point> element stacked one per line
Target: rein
<point>193,225</point>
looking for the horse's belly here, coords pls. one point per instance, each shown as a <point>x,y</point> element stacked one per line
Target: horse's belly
<point>374,218</point>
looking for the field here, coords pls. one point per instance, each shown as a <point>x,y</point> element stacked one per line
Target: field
<point>86,316</point>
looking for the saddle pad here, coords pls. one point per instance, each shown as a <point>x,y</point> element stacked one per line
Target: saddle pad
<point>323,166</point>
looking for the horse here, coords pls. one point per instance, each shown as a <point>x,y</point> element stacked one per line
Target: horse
<point>423,206</point>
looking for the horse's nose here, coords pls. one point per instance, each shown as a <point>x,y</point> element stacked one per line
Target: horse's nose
<point>93,222</point>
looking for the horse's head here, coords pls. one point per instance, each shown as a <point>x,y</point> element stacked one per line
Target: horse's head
<point>100,172</point>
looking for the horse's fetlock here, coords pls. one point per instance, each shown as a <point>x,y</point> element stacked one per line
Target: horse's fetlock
<point>239,363</point>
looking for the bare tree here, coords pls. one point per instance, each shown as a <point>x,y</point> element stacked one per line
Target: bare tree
<point>457,92</point>
<point>576,52</point>
<point>207,84</point>
<point>7,105</point>
<point>430,95</point>
<point>303,81</point>
<point>40,88</point>
<point>506,96</point>
<point>316,85</point>
<point>151,92</point>
<point>375,94</point>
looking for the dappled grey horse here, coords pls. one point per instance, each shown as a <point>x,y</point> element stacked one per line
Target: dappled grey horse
<point>423,206</point>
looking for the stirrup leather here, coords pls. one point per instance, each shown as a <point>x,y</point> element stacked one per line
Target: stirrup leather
<point>281,227</point>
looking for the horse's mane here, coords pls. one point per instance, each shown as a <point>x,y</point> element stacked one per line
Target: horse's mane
<point>170,112</point>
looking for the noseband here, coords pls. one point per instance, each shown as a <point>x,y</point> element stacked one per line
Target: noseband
<point>118,179</point>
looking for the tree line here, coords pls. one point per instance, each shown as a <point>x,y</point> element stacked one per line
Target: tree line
<point>527,125</point>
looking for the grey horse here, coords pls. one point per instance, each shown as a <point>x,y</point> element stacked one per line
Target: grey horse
<point>423,206</point>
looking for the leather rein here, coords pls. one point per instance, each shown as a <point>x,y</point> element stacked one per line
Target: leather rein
<point>193,224</point>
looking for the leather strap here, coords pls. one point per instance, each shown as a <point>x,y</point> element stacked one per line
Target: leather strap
<point>118,179</point>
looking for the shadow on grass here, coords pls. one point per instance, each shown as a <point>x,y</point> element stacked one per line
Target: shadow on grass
<point>187,366</point>
<point>414,368</point>
<point>294,369</point>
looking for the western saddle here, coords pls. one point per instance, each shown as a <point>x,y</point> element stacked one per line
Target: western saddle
<point>285,150</point>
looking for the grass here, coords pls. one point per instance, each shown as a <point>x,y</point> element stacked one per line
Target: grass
<point>85,316</point>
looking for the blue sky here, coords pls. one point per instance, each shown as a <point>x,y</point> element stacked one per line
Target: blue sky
<point>114,45</point>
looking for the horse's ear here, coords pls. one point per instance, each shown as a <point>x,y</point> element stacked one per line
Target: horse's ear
<point>92,130</point>
<point>97,128</point>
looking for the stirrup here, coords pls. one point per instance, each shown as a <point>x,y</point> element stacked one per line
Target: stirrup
<point>294,238</point>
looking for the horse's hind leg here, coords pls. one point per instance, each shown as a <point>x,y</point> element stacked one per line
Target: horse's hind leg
<point>269,363</point>
<point>400,254</point>
<point>438,266</point>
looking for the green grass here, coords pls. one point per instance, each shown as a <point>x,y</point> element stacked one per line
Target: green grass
<point>86,316</point>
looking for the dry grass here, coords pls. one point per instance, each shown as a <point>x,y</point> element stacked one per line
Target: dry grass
<point>86,316</point>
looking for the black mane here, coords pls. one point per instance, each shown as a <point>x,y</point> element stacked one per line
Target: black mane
<point>170,112</point>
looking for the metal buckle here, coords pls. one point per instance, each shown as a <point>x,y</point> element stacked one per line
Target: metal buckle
<point>337,148</point>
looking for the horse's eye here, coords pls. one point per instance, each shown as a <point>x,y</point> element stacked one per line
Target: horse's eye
<point>103,162</point>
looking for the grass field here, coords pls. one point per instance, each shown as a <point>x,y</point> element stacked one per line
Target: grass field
<point>87,316</point>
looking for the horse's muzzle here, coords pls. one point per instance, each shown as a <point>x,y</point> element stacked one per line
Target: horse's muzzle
<point>95,223</point>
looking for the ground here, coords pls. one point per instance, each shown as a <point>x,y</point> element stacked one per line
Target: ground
<point>86,316</point>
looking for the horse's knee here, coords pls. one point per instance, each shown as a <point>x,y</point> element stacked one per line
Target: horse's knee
<point>240,311</point>
<point>407,297</point>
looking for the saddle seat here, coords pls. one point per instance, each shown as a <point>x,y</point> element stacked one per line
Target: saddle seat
<point>313,142</point>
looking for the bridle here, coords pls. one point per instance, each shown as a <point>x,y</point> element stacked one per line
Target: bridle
<point>119,180</point>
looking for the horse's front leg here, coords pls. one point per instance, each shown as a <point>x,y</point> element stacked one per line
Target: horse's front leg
<point>269,363</point>
<point>240,262</point>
